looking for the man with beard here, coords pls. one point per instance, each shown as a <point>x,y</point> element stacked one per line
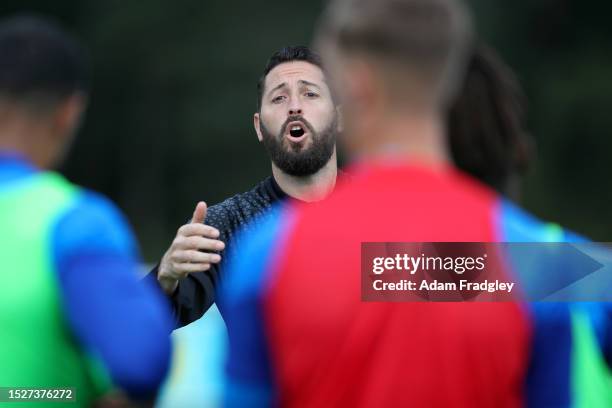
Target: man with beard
<point>297,122</point>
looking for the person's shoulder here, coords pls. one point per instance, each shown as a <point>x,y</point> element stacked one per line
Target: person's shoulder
<point>94,222</point>
<point>519,225</point>
<point>255,198</point>
<point>85,202</point>
<point>96,206</point>
<point>238,208</point>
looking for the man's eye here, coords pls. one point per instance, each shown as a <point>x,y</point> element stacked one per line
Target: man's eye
<point>278,99</point>
<point>311,95</point>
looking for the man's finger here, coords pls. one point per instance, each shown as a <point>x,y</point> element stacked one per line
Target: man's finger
<point>202,230</point>
<point>192,256</point>
<point>183,269</point>
<point>200,213</point>
<point>197,242</point>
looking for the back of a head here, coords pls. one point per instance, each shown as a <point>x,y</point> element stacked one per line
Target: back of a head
<point>486,125</point>
<point>421,45</point>
<point>40,65</point>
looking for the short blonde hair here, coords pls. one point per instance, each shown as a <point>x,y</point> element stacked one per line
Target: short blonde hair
<point>428,40</point>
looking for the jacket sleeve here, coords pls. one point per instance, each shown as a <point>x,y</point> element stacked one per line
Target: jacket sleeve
<point>194,295</point>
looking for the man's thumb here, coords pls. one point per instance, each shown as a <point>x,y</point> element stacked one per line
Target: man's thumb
<point>200,213</point>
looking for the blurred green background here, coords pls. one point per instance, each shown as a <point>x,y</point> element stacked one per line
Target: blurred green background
<point>170,118</point>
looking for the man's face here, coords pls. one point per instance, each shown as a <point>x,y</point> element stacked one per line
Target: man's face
<point>298,121</point>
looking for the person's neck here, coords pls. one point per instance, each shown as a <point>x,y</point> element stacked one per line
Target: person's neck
<point>23,138</point>
<point>408,139</point>
<point>33,154</point>
<point>311,188</point>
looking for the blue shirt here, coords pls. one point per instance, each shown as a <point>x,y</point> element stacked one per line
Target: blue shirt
<point>120,319</point>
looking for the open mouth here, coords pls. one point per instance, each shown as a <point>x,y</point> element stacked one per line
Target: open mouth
<point>297,131</point>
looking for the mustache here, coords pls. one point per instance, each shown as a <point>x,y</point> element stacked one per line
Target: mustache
<point>296,118</point>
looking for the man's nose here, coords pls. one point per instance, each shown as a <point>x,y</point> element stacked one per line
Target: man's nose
<point>295,109</point>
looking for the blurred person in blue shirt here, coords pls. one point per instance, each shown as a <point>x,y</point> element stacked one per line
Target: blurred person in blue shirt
<point>73,311</point>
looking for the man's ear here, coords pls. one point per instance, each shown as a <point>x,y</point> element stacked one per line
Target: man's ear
<point>340,116</point>
<point>361,87</point>
<point>257,125</point>
<point>67,116</point>
<point>366,93</point>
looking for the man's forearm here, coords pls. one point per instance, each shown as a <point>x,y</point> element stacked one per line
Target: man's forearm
<point>192,296</point>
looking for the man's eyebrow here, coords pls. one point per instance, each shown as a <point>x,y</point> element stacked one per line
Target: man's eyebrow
<point>277,87</point>
<point>304,82</point>
<point>301,82</point>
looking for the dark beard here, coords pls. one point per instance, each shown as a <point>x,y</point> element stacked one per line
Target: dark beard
<point>301,163</point>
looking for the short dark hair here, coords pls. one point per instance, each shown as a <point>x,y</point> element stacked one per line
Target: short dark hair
<point>286,54</point>
<point>487,126</point>
<point>425,41</point>
<point>39,62</point>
